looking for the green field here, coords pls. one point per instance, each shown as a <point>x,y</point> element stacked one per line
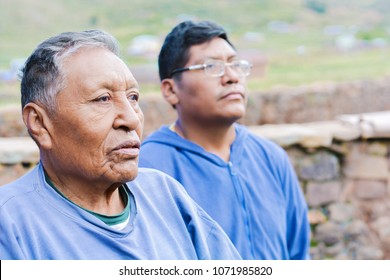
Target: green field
<point>299,54</point>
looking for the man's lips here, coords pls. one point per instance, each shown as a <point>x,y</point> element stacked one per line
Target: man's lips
<point>130,148</point>
<point>233,95</point>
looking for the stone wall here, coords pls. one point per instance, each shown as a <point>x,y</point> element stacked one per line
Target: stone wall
<point>348,196</point>
<point>317,102</point>
<point>344,171</point>
<point>340,153</point>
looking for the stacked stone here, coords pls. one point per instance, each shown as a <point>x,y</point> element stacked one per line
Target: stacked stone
<point>17,156</point>
<point>17,151</point>
<point>348,197</point>
<point>344,170</point>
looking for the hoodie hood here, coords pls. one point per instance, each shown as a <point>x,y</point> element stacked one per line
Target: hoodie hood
<point>166,136</point>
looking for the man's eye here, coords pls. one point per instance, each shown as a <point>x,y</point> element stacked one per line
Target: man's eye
<point>211,65</point>
<point>104,98</point>
<point>237,64</point>
<point>134,97</point>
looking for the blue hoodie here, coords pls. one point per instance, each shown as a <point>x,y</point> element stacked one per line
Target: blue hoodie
<point>36,222</point>
<point>255,197</point>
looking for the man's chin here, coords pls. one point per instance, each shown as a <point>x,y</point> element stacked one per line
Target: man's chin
<point>126,172</point>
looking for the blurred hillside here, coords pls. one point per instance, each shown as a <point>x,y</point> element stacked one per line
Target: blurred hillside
<point>291,42</point>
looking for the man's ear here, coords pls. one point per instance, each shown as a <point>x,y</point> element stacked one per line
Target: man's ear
<point>168,89</point>
<point>38,124</point>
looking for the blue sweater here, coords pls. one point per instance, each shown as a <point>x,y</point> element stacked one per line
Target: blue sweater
<point>255,197</point>
<point>38,223</point>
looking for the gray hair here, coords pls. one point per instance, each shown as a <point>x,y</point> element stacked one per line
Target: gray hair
<point>43,77</point>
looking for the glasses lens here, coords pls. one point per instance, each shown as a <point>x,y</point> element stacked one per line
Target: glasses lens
<point>214,68</point>
<point>217,68</point>
<point>242,67</point>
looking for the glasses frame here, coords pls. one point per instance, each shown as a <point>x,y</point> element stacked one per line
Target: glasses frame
<point>207,63</point>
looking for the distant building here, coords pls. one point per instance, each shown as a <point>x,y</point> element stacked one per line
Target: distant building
<point>144,45</point>
<point>12,73</point>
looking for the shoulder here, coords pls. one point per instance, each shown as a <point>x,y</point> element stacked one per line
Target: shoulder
<point>255,141</point>
<point>163,191</point>
<point>18,188</point>
<point>151,174</point>
<point>162,135</point>
<point>160,150</point>
<point>268,155</point>
<point>161,139</point>
<point>154,180</point>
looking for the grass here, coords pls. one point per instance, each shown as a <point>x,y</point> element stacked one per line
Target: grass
<point>25,23</point>
<point>325,66</point>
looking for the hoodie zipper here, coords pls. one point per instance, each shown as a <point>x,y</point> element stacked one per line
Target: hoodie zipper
<point>240,195</point>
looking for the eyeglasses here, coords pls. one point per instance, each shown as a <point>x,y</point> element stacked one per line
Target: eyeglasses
<point>216,68</point>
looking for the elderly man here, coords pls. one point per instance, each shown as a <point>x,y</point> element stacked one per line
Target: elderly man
<point>246,183</point>
<point>86,199</point>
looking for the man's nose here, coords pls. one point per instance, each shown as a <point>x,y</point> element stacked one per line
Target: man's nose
<point>231,75</point>
<point>127,115</point>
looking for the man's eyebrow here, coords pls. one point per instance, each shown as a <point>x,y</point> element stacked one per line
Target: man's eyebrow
<point>112,84</point>
<point>132,86</point>
<point>212,57</point>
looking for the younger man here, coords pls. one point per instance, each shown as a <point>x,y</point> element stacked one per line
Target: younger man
<point>244,182</point>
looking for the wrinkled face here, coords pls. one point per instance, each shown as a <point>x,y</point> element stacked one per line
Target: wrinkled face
<point>211,99</point>
<point>98,123</point>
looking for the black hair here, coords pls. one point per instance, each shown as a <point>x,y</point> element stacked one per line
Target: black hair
<point>175,50</point>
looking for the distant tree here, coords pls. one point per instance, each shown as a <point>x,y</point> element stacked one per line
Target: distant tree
<point>93,20</point>
<point>317,6</point>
